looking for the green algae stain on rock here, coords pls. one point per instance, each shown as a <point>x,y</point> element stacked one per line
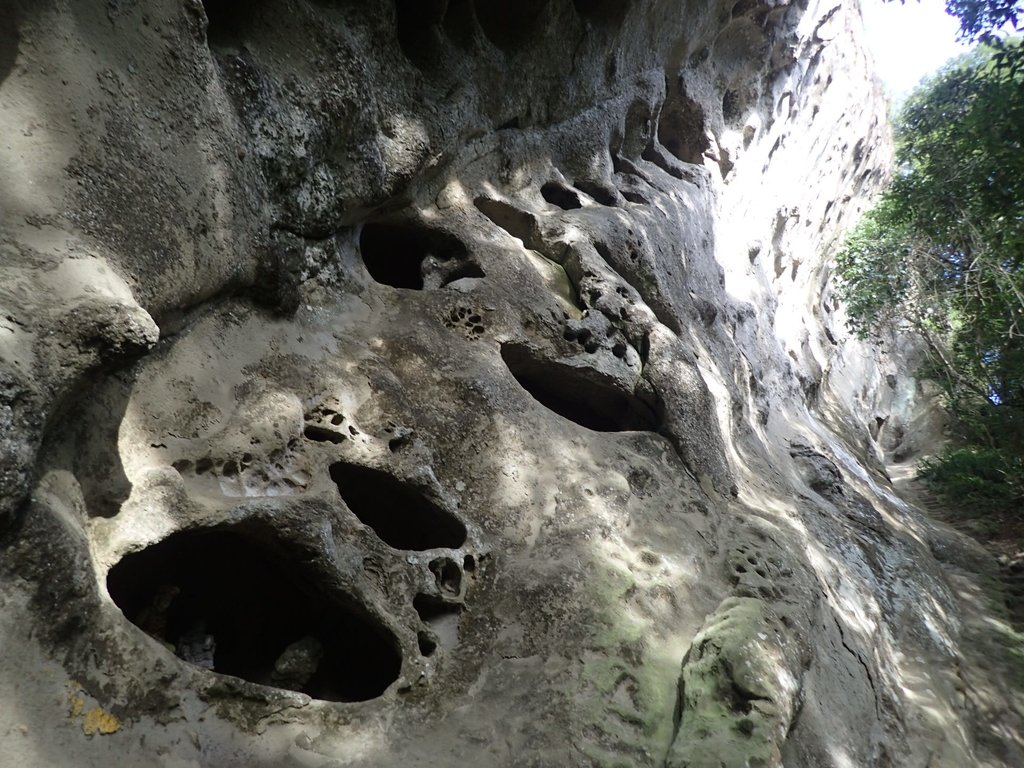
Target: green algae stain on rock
<point>627,680</point>
<point>738,690</point>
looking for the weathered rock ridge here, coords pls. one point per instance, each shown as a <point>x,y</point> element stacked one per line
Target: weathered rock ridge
<point>426,382</point>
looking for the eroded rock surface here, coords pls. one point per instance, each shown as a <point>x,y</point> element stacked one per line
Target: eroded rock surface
<point>423,383</point>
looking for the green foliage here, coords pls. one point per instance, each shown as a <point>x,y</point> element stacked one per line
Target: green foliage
<point>942,255</point>
<point>980,479</point>
<point>983,21</point>
<point>979,19</point>
<point>876,295</point>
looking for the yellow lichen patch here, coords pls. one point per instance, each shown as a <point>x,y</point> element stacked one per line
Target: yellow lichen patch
<point>96,720</point>
<point>76,704</point>
<point>100,721</point>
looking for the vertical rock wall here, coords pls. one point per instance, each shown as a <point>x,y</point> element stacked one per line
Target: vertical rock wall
<point>412,383</point>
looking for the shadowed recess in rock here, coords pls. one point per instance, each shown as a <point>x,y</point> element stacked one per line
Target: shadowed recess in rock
<point>426,643</point>
<point>510,24</point>
<point>602,194</point>
<point>459,22</point>
<point>398,513</point>
<point>602,11</point>
<point>418,26</point>
<point>519,224</point>
<point>681,128</point>
<point>233,600</point>
<point>442,619</point>
<point>8,43</point>
<point>447,575</point>
<point>654,155</point>
<point>573,395</point>
<point>398,254</point>
<point>561,195</point>
<point>228,20</point>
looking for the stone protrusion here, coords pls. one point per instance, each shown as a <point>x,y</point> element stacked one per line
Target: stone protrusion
<point>739,689</point>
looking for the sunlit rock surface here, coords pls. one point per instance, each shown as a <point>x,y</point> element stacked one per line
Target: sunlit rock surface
<point>435,383</point>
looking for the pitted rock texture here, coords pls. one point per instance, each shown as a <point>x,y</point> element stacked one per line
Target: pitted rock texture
<point>422,383</point>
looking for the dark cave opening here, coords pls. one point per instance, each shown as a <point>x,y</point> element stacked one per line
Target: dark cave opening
<point>561,196</point>
<point>603,194</point>
<point>394,252</point>
<point>681,125</point>
<point>510,24</point>
<point>602,11</point>
<point>418,27</point>
<point>230,20</point>
<point>234,600</point>
<point>399,514</point>
<point>575,396</point>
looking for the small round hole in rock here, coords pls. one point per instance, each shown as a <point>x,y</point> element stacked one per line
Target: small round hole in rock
<point>235,600</point>
<point>426,643</point>
<point>448,575</point>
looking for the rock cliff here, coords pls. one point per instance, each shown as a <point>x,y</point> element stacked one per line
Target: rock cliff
<point>453,381</point>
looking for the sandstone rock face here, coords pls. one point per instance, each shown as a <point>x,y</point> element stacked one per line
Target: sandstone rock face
<point>427,383</point>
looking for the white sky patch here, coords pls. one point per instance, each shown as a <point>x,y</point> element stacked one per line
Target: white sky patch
<point>909,40</point>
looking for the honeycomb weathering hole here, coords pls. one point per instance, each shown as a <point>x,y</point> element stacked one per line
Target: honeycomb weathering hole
<point>394,252</point>
<point>575,396</point>
<point>399,514</point>
<point>561,196</point>
<point>238,602</point>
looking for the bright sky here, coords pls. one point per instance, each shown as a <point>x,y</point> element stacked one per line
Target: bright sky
<point>909,41</point>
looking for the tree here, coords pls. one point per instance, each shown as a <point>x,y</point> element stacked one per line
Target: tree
<point>980,19</point>
<point>942,254</point>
